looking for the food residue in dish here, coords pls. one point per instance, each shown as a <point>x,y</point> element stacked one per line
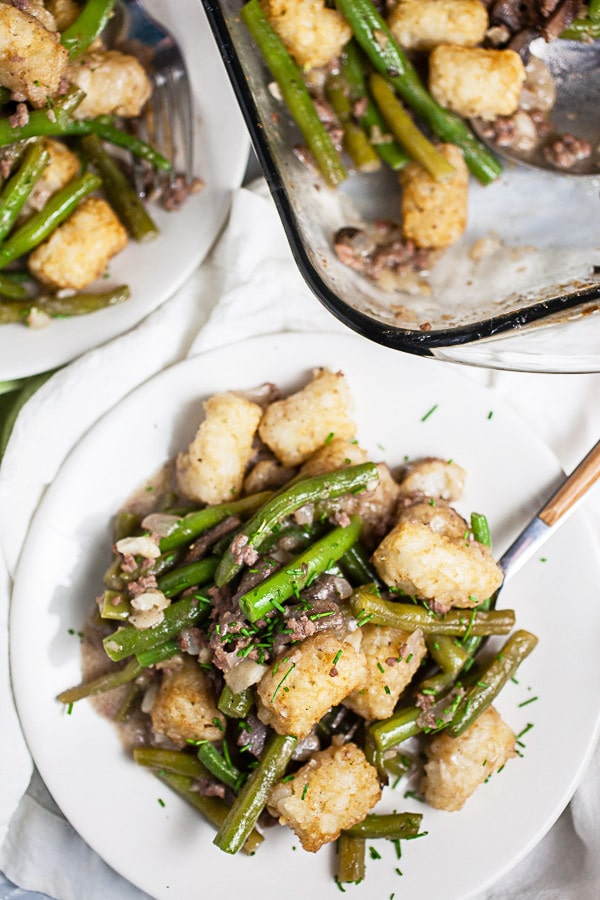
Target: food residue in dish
<point>449,61</point>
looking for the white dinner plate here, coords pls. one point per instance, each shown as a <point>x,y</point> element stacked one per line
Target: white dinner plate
<point>155,270</point>
<point>405,406</point>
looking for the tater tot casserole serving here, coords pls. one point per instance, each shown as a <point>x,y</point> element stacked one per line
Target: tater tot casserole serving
<point>77,181</point>
<point>289,628</point>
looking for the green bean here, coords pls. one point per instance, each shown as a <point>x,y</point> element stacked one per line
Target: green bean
<point>223,769</point>
<point>157,654</point>
<point>369,117</point>
<point>301,571</point>
<point>355,142</point>
<point>42,224</point>
<point>391,825</point>
<point>285,502</point>
<point>254,795</point>
<point>119,191</point>
<point>196,523</point>
<point>213,809</point>
<point>133,692</point>
<point>128,640</point>
<point>81,304</point>
<point>398,728</point>
<point>235,705</point>
<point>175,761</point>
<point>451,656</point>
<point>481,529</point>
<point>350,859</point>
<point>125,524</point>
<point>408,617</point>
<point>61,307</point>
<point>406,132</point>
<point>88,25</point>
<point>295,94</point>
<point>375,757</point>
<point>116,578</point>
<point>9,415</point>
<point>103,683</point>
<point>62,125</point>
<point>11,288</point>
<point>18,188</point>
<point>355,564</point>
<point>447,652</point>
<point>583,29</point>
<point>491,680</point>
<point>115,605</point>
<point>196,573</point>
<point>379,44</point>
<point>5,95</point>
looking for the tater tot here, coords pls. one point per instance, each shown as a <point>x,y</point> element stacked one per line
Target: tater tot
<point>475,82</point>
<point>295,427</point>
<point>423,24</point>
<point>312,33</point>
<point>334,790</point>
<point>32,59</point>
<point>393,656</point>
<point>114,83</point>
<point>457,766</point>
<point>77,253</point>
<point>445,571</point>
<point>185,708</point>
<point>212,469</point>
<point>434,214</point>
<point>307,680</point>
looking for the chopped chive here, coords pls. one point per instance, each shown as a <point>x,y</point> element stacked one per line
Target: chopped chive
<point>275,692</point>
<point>525,702</point>
<point>429,412</point>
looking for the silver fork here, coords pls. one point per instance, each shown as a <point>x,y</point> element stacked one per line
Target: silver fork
<point>167,118</point>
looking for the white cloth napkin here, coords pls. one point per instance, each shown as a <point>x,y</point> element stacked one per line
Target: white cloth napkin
<point>249,285</point>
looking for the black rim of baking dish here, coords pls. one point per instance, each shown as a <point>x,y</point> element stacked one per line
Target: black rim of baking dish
<point>419,342</point>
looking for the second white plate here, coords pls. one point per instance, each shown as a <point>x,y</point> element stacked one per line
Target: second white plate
<point>154,271</point>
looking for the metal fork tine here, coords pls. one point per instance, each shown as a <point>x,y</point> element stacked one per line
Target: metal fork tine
<point>182,102</point>
<point>168,118</point>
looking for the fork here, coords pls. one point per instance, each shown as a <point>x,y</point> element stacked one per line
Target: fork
<point>168,116</point>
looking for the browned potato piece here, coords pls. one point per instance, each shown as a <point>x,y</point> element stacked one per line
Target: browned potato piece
<point>476,82</point>
<point>293,428</point>
<point>457,766</point>
<point>443,570</point>
<point>212,468</point>
<point>433,477</point>
<point>434,213</point>
<point>77,253</point>
<point>64,11</point>
<point>62,167</point>
<point>422,24</point>
<point>113,82</point>
<point>334,790</point>
<point>32,59</point>
<point>185,708</point>
<point>308,679</point>
<point>393,657</point>
<point>312,33</point>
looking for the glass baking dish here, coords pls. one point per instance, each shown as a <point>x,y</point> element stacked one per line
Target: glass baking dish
<point>530,256</point>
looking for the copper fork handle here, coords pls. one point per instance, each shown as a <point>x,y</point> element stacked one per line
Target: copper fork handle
<point>575,486</point>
